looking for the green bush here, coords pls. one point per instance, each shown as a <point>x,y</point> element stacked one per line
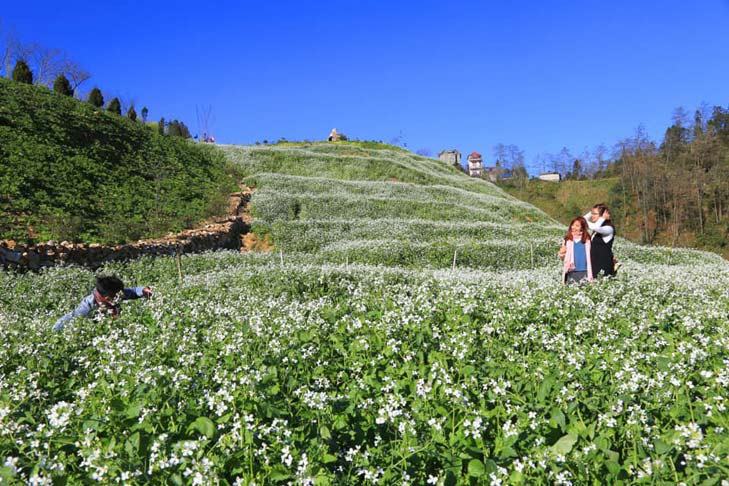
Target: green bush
<point>62,86</point>
<point>71,171</point>
<point>22,73</point>
<point>96,98</point>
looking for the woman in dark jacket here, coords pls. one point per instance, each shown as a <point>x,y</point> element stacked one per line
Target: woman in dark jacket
<point>603,236</point>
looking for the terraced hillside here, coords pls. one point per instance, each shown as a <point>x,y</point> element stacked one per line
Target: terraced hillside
<point>384,206</point>
<point>354,353</point>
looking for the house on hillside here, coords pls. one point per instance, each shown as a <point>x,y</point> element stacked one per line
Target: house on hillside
<point>475,164</point>
<point>452,157</point>
<point>551,176</point>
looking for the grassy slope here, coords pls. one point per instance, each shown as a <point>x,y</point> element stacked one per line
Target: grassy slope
<point>71,171</point>
<point>381,205</point>
<point>566,199</point>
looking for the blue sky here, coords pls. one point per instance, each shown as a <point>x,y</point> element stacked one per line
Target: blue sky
<point>538,74</point>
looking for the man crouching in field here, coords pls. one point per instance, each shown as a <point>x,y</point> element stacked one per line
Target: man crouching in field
<point>106,297</point>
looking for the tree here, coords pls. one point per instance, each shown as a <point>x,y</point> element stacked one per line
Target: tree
<point>96,98</point>
<point>22,72</point>
<point>145,112</point>
<point>161,126</point>
<point>75,74</point>
<point>177,128</point>
<point>62,86</point>
<point>132,113</point>
<point>48,63</point>
<point>114,106</point>
<point>8,44</point>
<point>576,169</point>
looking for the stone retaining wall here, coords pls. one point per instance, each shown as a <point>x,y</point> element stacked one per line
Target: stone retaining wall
<point>221,233</point>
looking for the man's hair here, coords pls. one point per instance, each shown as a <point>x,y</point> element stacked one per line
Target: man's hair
<point>601,207</point>
<point>109,285</point>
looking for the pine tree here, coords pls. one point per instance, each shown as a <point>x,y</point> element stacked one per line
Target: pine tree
<point>145,112</point>
<point>161,126</point>
<point>132,113</point>
<point>96,98</point>
<point>114,106</point>
<point>184,131</point>
<point>174,129</point>
<point>22,73</point>
<point>62,86</point>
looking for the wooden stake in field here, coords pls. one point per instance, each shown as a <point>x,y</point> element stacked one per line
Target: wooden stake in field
<point>280,254</point>
<point>531,252</point>
<point>454,259</point>
<point>179,262</point>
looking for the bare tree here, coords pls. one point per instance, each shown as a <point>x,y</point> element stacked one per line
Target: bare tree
<point>75,73</point>
<point>8,51</point>
<point>499,152</point>
<point>205,120</point>
<point>48,63</point>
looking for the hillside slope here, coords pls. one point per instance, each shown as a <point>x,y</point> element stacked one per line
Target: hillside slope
<point>71,171</point>
<point>337,203</point>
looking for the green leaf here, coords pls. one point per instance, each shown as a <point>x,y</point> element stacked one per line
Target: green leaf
<point>613,467</point>
<point>279,473</point>
<point>544,388</point>
<point>328,458</point>
<point>322,480</point>
<point>324,432</point>
<point>558,418</point>
<point>661,447</point>
<point>468,370</point>
<point>203,425</point>
<point>133,410</point>
<point>131,445</point>
<point>476,468</point>
<point>564,445</point>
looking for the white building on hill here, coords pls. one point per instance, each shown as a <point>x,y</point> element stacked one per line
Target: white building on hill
<point>551,176</point>
<point>475,164</point>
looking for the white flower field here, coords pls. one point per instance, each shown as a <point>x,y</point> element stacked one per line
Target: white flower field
<point>409,328</point>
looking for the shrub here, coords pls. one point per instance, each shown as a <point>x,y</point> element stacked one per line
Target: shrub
<point>114,106</point>
<point>96,98</point>
<point>22,73</point>
<point>62,86</point>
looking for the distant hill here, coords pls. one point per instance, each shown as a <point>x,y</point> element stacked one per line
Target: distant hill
<point>71,171</point>
<point>563,200</point>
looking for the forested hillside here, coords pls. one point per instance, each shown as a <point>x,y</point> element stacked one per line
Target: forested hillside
<point>673,193</point>
<point>72,171</point>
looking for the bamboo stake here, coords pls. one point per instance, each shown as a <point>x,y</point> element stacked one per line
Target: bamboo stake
<point>531,252</point>
<point>179,262</point>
